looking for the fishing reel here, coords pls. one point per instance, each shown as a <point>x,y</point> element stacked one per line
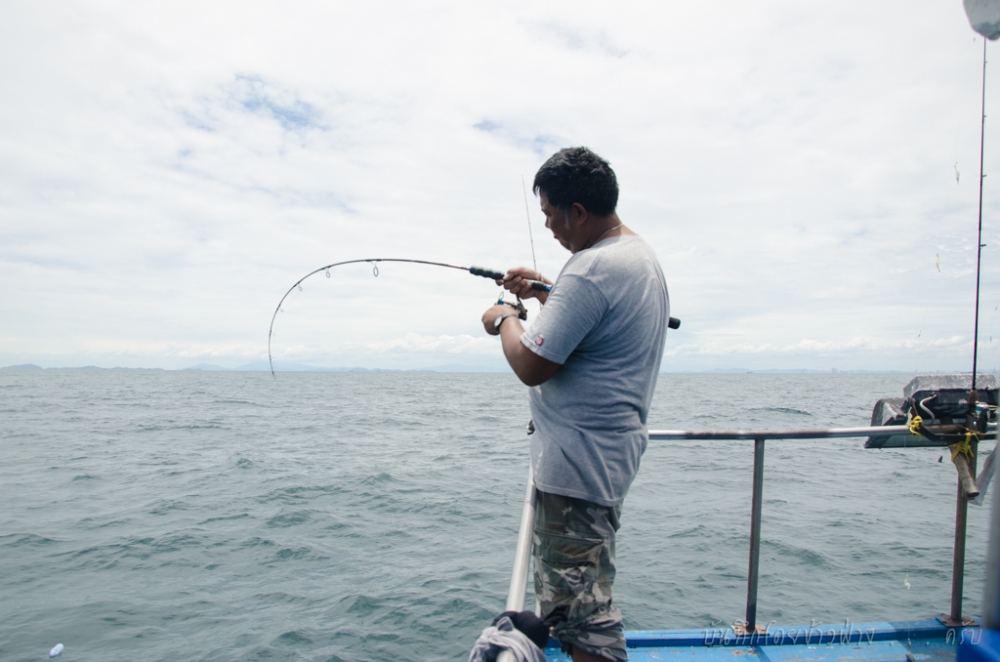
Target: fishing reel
<point>522,312</point>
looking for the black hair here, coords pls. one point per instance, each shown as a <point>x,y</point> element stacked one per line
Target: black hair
<point>576,174</point>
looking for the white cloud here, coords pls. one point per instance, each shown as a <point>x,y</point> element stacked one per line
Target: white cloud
<point>808,174</point>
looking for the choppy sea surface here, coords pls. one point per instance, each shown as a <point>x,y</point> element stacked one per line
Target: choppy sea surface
<point>372,516</point>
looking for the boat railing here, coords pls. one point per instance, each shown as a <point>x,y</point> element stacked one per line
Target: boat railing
<point>518,583</point>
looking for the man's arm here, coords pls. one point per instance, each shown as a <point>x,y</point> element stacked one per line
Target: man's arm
<point>528,366</point>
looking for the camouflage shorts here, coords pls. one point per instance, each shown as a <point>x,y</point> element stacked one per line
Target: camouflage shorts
<point>574,556</point>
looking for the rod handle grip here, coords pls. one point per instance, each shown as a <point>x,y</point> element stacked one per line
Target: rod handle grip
<point>486,273</point>
<point>536,285</point>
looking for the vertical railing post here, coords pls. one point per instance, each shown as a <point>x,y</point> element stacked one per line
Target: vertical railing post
<point>522,553</point>
<point>958,553</point>
<point>522,558</point>
<point>755,516</point>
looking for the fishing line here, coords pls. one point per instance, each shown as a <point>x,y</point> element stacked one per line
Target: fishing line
<point>531,237</point>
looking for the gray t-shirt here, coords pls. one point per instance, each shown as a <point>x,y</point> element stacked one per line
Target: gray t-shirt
<point>605,321</point>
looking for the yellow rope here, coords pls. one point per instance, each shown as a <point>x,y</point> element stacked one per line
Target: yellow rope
<point>964,447</point>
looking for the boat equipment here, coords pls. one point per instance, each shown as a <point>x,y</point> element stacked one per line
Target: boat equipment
<point>952,410</point>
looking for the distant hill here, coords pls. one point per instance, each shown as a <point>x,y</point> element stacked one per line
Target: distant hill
<point>262,366</point>
<point>31,367</point>
<point>208,367</point>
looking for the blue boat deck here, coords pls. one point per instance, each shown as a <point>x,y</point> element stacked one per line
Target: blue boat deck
<point>902,641</point>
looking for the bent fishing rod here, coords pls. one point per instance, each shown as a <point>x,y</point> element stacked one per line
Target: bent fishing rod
<point>493,275</point>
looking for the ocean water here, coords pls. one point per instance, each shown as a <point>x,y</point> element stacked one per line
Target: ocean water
<point>372,516</point>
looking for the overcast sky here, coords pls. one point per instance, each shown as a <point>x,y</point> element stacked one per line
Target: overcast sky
<point>807,173</point>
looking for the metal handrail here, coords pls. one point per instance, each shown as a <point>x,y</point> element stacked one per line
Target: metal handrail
<point>829,433</point>
<point>516,593</point>
<point>522,554</point>
<point>522,557</point>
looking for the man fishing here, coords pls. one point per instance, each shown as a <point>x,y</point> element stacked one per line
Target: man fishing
<point>591,357</point>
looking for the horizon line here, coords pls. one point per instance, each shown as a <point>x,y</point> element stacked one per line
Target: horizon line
<point>32,367</point>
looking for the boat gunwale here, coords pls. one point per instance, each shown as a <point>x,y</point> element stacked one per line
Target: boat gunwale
<point>799,635</point>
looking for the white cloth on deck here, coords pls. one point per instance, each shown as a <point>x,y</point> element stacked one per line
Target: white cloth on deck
<point>504,636</point>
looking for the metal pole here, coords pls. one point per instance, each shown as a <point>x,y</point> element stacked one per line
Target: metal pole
<point>958,559</point>
<point>522,554</point>
<point>828,433</point>
<point>755,517</point>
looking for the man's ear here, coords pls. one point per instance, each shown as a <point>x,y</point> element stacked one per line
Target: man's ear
<point>578,213</point>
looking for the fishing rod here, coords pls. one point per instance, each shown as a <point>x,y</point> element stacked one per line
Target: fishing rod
<point>979,236</point>
<point>493,275</point>
<point>977,415</point>
<point>475,271</point>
